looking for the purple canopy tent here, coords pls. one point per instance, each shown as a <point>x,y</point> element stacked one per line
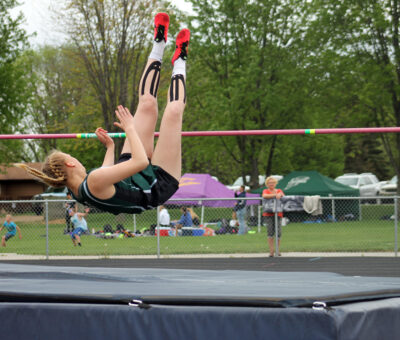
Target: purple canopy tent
<point>204,186</point>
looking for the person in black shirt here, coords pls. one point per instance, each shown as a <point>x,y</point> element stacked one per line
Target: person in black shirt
<point>69,206</point>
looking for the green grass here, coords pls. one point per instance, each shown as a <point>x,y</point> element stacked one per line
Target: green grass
<point>354,236</point>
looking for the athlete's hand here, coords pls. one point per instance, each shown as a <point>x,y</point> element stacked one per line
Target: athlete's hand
<point>104,137</point>
<point>125,118</point>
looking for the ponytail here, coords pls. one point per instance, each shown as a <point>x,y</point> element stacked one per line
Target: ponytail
<point>53,171</point>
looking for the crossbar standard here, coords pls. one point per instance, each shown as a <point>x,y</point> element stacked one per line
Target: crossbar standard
<point>393,129</point>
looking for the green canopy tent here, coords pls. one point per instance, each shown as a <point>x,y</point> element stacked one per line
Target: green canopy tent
<point>310,183</point>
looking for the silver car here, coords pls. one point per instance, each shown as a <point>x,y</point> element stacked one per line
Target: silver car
<point>390,188</point>
<point>367,183</point>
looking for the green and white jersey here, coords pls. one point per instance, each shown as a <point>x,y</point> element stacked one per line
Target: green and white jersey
<point>132,195</point>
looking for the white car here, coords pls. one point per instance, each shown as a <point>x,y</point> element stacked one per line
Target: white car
<point>390,188</point>
<point>50,193</point>
<point>239,182</point>
<point>367,183</point>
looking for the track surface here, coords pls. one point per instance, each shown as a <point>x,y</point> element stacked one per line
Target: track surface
<point>350,266</point>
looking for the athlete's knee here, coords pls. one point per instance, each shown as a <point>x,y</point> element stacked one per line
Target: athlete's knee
<point>148,103</point>
<point>174,112</point>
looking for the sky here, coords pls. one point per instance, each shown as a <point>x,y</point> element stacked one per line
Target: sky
<point>38,19</point>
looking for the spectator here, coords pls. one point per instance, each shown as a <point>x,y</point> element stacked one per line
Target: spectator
<point>78,219</point>
<point>272,193</point>
<point>184,221</point>
<point>233,223</point>
<point>165,219</point>
<point>69,205</point>
<point>11,230</point>
<point>240,209</point>
<point>195,217</point>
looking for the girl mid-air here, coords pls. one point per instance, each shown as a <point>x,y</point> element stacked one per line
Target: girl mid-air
<point>143,177</point>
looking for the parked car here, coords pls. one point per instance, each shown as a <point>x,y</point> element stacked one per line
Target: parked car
<point>50,193</point>
<point>239,182</point>
<point>367,183</point>
<point>390,188</point>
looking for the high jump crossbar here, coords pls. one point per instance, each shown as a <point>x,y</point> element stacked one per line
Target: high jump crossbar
<point>393,129</point>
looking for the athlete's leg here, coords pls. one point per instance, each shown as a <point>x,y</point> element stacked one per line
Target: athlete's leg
<point>146,114</point>
<point>167,153</point>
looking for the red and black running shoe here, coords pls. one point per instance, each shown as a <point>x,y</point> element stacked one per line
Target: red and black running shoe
<point>161,23</point>
<point>182,44</point>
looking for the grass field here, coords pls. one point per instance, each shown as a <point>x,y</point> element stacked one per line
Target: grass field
<point>352,236</point>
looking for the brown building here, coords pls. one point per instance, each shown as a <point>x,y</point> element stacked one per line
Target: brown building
<point>17,184</point>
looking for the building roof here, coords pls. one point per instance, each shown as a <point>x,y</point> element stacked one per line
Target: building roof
<point>12,173</point>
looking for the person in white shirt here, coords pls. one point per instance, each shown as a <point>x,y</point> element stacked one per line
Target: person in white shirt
<point>164,217</point>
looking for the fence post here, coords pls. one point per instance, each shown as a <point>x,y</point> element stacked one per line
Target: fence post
<point>259,218</point>
<point>359,209</point>
<point>276,229</point>
<point>134,223</point>
<point>46,214</point>
<point>333,207</point>
<point>158,232</point>
<point>202,213</point>
<point>395,226</point>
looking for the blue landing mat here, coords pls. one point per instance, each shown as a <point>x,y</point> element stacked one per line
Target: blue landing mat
<point>41,302</point>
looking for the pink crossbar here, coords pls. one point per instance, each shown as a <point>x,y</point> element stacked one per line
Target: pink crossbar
<point>393,129</point>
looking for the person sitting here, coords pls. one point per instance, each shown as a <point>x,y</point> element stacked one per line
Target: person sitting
<point>184,221</point>
<point>195,217</point>
<point>164,217</point>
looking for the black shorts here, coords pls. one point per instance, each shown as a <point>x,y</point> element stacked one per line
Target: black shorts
<point>165,186</point>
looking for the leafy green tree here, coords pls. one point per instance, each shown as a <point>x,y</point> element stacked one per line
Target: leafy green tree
<point>113,39</point>
<point>14,86</point>
<point>362,39</point>
<point>63,102</point>
<point>250,70</point>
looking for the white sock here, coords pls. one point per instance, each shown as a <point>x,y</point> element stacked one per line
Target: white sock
<point>179,67</point>
<point>158,50</point>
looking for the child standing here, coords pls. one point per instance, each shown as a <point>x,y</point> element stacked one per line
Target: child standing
<point>11,230</point>
<point>80,226</point>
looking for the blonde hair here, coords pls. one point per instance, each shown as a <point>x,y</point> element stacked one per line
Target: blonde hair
<point>270,178</point>
<point>53,170</point>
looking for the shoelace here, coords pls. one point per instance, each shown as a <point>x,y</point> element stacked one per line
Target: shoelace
<point>160,33</point>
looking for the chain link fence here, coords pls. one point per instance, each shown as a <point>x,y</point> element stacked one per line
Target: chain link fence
<point>343,224</point>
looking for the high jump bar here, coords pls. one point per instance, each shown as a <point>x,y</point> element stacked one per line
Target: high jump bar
<point>393,129</point>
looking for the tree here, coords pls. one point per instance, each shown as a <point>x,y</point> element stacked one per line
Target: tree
<point>113,39</point>
<point>14,86</point>
<point>252,71</point>
<point>63,102</point>
<point>365,35</point>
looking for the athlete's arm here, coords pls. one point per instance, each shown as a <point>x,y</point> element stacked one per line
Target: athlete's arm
<point>101,181</point>
<point>107,141</point>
